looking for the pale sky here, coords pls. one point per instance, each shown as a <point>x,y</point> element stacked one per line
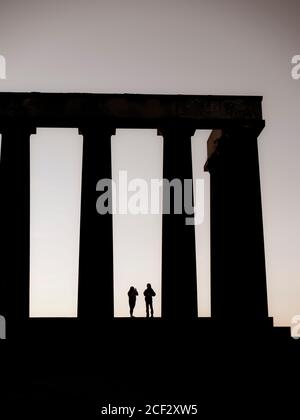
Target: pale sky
<point>158,46</point>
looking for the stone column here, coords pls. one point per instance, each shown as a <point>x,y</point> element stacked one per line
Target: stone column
<point>95,300</point>
<point>238,276</point>
<point>15,224</point>
<point>179,283</point>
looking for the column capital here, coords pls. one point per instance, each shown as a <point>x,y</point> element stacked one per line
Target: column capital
<point>176,131</point>
<point>18,128</point>
<point>229,141</point>
<point>91,129</point>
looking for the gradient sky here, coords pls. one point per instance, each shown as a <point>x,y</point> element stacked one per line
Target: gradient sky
<point>167,46</point>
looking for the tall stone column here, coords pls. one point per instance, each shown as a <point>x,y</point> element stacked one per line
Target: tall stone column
<point>95,300</point>
<point>238,275</point>
<point>179,283</point>
<point>15,224</point>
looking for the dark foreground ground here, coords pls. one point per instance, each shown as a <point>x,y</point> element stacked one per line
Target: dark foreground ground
<point>65,369</point>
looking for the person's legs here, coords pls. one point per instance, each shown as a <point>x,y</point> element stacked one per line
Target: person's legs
<point>147,309</point>
<point>151,307</point>
<point>131,306</point>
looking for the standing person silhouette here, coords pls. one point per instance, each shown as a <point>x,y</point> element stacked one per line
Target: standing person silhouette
<point>132,294</point>
<point>149,293</point>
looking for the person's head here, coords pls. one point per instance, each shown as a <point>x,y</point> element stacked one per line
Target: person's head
<point>131,289</point>
<point>148,286</point>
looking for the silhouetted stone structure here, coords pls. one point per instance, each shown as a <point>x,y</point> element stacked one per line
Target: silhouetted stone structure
<point>73,366</point>
<point>238,275</point>
<point>238,268</point>
<point>96,235</point>
<point>15,220</point>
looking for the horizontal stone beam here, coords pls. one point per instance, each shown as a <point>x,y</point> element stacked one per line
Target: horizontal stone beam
<point>129,110</point>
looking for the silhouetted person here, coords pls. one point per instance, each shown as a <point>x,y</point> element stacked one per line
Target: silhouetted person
<point>149,293</point>
<point>132,294</point>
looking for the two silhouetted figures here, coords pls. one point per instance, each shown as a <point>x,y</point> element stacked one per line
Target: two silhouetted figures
<point>148,293</point>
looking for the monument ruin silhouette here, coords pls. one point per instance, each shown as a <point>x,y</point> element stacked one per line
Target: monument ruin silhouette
<point>238,276</point>
<point>237,246</point>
